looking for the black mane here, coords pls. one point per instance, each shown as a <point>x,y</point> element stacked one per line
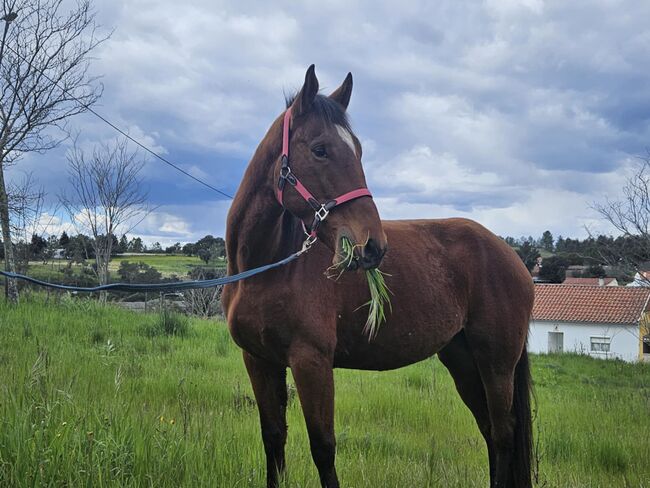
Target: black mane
<point>330,111</point>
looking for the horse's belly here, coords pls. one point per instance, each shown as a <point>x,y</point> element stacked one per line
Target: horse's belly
<point>375,358</point>
<point>398,343</point>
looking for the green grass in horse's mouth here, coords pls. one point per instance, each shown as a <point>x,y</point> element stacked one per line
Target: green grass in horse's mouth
<point>379,292</point>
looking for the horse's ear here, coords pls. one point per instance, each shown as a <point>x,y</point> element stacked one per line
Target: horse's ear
<point>307,94</point>
<point>343,93</point>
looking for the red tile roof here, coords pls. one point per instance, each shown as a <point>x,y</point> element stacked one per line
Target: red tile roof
<point>595,304</point>
<point>586,281</point>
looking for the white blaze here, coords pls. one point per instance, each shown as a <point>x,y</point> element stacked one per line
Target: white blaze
<point>347,137</point>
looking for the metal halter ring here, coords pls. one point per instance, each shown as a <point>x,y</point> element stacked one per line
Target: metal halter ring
<point>307,243</point>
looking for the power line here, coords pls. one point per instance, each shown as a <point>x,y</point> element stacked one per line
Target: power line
<point>125,134</point>
<point>155,154</point>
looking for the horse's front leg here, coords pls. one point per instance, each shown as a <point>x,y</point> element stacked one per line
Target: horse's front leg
<point>312,372</point>
<point>270,388</point>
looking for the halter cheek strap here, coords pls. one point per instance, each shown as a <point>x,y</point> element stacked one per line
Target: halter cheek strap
<point>321,210</point>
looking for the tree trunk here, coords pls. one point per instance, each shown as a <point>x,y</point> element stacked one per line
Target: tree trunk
<point>11,288</point>
<point>102,261</point>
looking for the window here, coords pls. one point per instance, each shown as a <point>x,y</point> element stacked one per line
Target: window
<point>646,344</point>
<point>600,344</point>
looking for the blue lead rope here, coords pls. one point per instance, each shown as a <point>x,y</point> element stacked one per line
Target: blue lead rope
<point>178,285</point>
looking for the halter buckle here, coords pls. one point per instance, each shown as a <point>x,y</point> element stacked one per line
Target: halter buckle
<point>322,213</point>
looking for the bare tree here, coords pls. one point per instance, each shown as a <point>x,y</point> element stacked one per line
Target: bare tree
<point>107,196</point>
<point>29,217</point>
<point>44,60</point>
<point>630,216</point>
<point>26,201</point>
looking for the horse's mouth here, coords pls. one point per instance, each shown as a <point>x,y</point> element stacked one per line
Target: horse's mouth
<point>346,258</point>
<point>344,265</point>
<point>352,264</point>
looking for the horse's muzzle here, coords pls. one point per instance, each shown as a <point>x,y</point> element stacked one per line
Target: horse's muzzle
<point>372,254</point>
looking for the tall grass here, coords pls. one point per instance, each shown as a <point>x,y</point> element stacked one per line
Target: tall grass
<point>88,399</point>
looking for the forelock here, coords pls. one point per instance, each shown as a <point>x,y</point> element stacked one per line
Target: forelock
<point>330,111</point>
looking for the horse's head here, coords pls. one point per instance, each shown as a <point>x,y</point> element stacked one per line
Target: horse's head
<point>325,158</point>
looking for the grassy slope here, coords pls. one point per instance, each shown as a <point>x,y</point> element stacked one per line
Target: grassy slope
<point>87,397</point>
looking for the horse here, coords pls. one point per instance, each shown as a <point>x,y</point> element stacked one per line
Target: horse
<point>458,291</point>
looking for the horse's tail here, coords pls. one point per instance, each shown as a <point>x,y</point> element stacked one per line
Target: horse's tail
<point>523,447</point>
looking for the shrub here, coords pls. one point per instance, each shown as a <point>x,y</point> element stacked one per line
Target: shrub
<point>169,323</point>
<point>138,273</point>
<point>205,302</point>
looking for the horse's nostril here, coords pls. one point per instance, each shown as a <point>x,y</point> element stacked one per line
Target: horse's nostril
<point>371,250</point>
<point>372,254</point>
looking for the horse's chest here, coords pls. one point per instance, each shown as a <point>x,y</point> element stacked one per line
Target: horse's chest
<point>259,324</point>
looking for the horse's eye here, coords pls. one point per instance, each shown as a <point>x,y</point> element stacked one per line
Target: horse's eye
<point>319,152</point>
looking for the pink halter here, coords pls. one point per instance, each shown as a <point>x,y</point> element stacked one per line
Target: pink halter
<point>321,210</point>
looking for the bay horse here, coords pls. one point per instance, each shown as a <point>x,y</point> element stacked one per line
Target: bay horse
<point>458,290</point>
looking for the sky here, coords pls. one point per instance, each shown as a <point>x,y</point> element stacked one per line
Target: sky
<point>518,114</point>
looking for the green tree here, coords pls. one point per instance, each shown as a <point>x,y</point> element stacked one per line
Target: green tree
<point>546,242</point>
<point>595,271</point>
<point>136,245</point>
<point>511,241</point>
<point>210,248</point>
<point>52,246</point>
<point>122,245</point>
<point>553,269</point>
<point>528,254</point>
<point>64,240</point>
<point>189,249</point>
<point>79,249</point>
<point>37,247</point>
<point>174,249</point>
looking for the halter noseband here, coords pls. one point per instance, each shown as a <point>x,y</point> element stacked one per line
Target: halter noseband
<point>321,210</point>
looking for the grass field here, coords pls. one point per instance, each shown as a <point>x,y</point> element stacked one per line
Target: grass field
<point>96,396</point>
<point>167,264</point>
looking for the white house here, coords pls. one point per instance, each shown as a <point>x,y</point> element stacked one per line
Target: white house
<point>601,321</point>
<point>641,278</point>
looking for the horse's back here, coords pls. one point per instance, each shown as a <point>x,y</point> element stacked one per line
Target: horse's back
<point>471,250</point>
<point>481,264</point>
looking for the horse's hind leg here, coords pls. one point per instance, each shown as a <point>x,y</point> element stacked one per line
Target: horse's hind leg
<point>270,388</point>
<point>458,359</point>
<point>503,365</point>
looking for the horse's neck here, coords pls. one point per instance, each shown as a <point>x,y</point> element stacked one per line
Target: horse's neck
<point>259,231</point>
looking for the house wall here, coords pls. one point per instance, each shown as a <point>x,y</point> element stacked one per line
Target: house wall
<point>644,330</point>
<point>577,338</point>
